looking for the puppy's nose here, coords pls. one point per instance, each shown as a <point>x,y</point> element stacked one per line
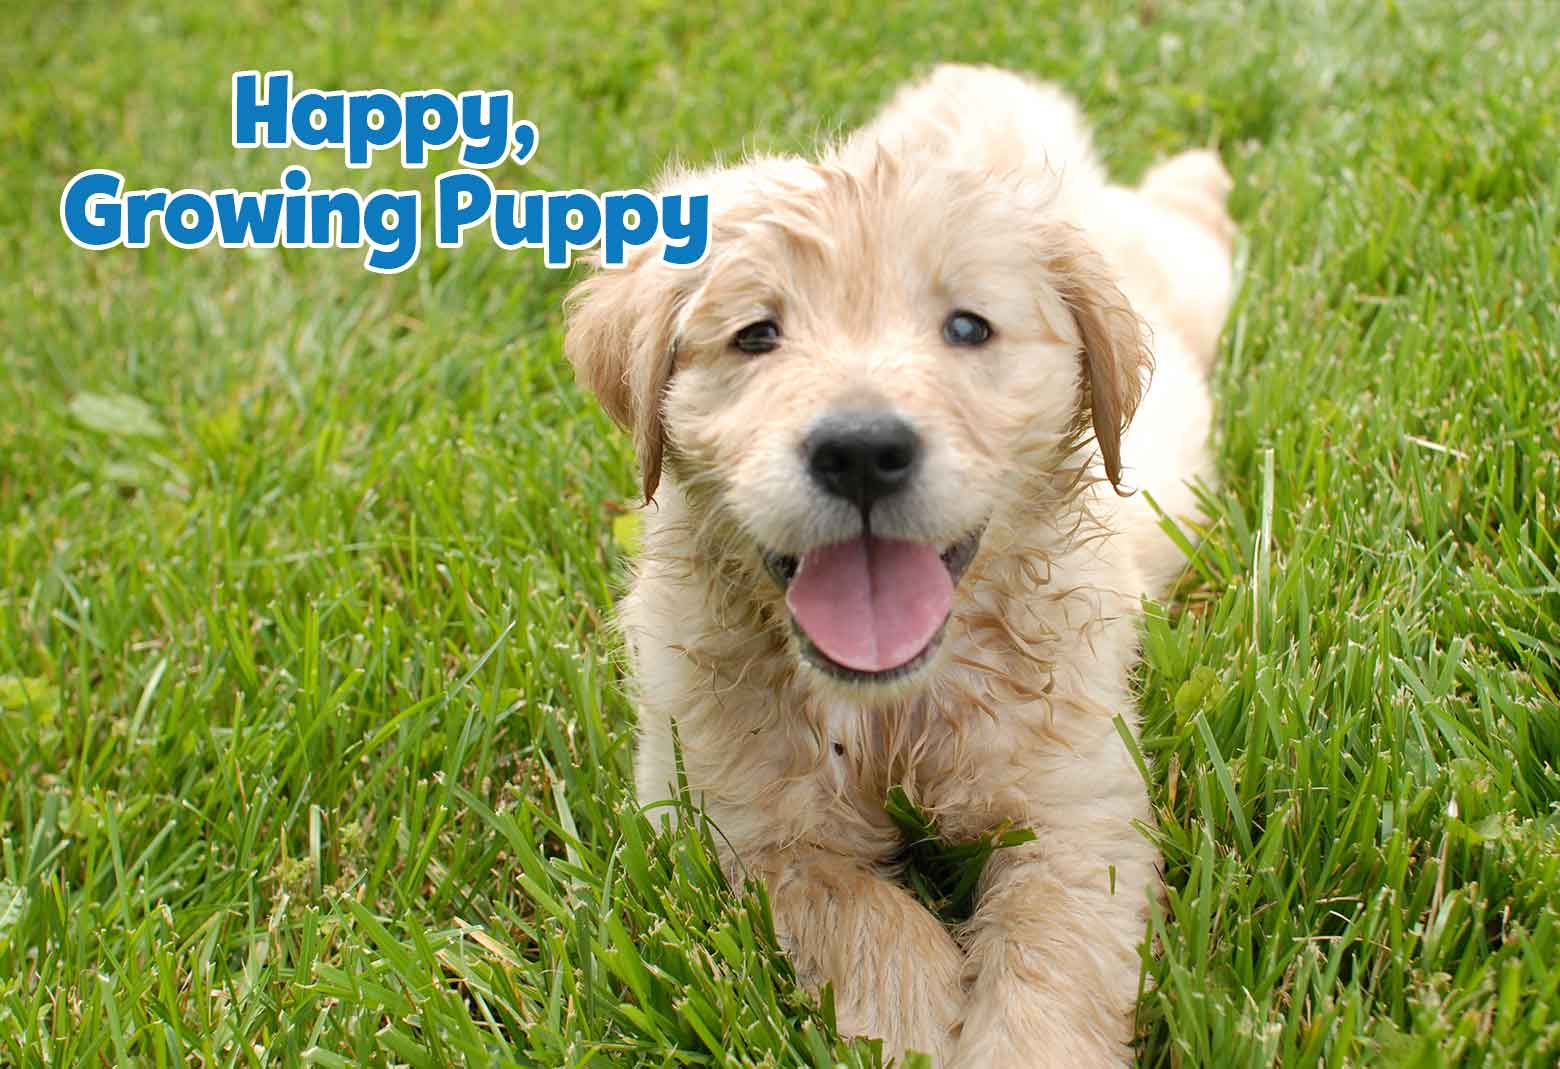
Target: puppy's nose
<point>862,458</point>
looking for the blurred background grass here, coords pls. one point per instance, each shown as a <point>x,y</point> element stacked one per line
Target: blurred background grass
<point>311,746</point>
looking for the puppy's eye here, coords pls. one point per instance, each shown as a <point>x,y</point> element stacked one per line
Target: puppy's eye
<point>966,328</point>
<point>760,337</point>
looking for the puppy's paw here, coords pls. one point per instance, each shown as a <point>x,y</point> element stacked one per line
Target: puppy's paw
<point>1061,1051</point>
<point>1014,1026</point>
<point>916,1009</point>
<point>896,972</point>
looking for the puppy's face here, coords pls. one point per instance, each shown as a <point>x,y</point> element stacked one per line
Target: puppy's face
<point>872,368</point>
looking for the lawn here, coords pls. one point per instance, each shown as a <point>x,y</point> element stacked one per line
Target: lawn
<point>313,747</point>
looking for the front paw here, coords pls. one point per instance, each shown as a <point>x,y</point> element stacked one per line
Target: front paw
<point>914,1008</point>
<point>1060,1055</point>
<point>1036,1037</point>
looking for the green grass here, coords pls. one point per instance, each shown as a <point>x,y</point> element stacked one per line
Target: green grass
<point>312,748</point>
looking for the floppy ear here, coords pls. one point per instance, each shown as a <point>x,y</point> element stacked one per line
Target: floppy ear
<point>1117,360</point>
<point>622,334</point>
<point>621,339</point>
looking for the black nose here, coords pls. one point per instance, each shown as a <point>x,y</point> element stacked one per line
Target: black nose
<point>862,458</point>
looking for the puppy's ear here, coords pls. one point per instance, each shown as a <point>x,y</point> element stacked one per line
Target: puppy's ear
<point>621,339</point>
<point>1117,360</point>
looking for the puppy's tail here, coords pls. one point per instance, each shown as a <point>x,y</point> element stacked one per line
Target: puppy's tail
<point>1192,189</point>
<point>1196,184</point>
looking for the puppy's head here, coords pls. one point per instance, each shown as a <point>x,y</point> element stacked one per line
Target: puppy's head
<point>874,364</point>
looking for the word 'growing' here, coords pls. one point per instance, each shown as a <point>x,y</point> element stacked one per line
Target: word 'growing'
<point>98,213</point>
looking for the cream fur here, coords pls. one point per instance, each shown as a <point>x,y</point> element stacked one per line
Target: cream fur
<point>974,189</point>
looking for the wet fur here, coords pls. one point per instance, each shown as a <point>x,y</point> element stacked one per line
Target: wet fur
<point>974,187</point>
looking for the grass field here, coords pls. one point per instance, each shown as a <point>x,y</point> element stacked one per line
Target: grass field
<point>312,747</point>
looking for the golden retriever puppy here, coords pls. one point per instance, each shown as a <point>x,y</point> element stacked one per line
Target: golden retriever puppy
<point>891,425</point>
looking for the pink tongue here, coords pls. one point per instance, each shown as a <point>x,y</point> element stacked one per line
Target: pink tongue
<point>871,604</point>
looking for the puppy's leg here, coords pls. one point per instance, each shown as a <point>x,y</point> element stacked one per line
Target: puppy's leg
<point>895,969</point>
<point>1052,955</point>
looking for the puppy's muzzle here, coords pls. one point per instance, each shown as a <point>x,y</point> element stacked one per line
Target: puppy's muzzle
<point>872,607</point>
<point>862,457</point>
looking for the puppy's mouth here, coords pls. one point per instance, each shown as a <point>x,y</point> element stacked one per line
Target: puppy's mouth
<point>871,609</point>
